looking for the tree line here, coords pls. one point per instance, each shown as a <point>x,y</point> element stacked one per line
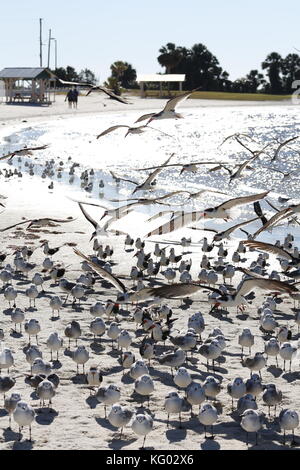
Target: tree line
<point>202,70</point>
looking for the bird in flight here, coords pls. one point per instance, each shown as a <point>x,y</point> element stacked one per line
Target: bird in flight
<point>108,92</point>
<point>23,151</point>
<point>169,111</point>
<point>39,223</point>
<point>131,130</point>
<point>102,230</point>
<point>149,182</point>
<point>223,211</point>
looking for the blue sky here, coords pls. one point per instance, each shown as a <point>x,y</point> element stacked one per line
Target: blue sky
<point>95,33</point>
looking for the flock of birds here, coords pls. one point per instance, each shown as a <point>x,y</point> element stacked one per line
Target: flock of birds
<point>141,321</point>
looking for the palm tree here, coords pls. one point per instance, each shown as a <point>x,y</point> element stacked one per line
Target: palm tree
<point>273,64</point>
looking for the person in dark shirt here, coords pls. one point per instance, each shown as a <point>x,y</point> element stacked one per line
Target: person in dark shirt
<point>70,98</point>
<point>75,97</point>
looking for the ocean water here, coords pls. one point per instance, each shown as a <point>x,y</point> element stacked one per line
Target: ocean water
<point>198,137</point>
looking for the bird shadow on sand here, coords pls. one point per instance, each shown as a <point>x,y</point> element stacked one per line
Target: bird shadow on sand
<point>3,413</point>
<point>8,311</point>
<point>220,316</point>
<point>97,347</point>
<point>56,364</point>
<point>45,416</point>
<point>104,423</point>
<point>126,379</point>
<point>15,334</point>
<point>9,434</point>
<point>210,444</point>
<point>79,379</point>
<point>92,401</point>
<point>275,371</point>
<point>291,376</point>
<point>176,434</point>
<point>23,445</point>
<point>118,444</point>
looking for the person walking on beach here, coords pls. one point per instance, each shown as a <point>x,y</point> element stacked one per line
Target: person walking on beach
<point>70,97</point>
<point>75,97</point>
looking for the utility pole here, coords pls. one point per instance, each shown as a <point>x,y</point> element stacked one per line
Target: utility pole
<point>49,44</point>
<point>54,39</point>
<point>41,44</point>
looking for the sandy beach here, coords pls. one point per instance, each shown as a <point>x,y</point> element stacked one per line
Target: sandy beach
<point>76,420</point>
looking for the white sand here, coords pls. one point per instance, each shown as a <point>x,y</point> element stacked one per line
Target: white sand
<point>78,419</point>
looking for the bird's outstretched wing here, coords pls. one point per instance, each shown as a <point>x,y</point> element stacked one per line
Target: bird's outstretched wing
<point>281,145</point>
<point>102,272</point>
<point>173,102</point>
<point>111,129</point>
<point>238,201</point>
<point>267,247</point>
<point>266,284</point>
<point>88,217</point>
<point>109,93</point>
<point>176,223</point>
<point>23,150</point>
<point>272,221</point>
<point>65,82</point>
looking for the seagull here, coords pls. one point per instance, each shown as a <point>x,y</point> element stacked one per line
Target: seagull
<point>142,424</point>
<point>119,416</point>
<point>39,222</point>
<point>252,421</point>
<point>288,421</point>
<point>131,130</point>
<point>237,297</point>
<point>208,415</point>
<point>189,167</point>
<point>281,145</point>
<point>23,415</point>
<point>109,93</point>
<point>23,151</point>
<point>226,233</point>
<point>100,231</point>
<point>273,249</point>
<point>149,182</point>
<point>169,111</point>
<point>223,211</point>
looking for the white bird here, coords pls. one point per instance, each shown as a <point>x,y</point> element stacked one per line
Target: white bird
<point>182,378</point>
<point>45,391</point>
<point>211,387</point>
<point>287,352</point>
<point>32,328</point>
<point>169,111</point>
<point>236,388</point>
<point>32,293</point>
<point>124,339</point>
<point>246,340</point>
<point>119,416</point>
<point>23,415</point>
<point>207,416</point>
<point>17,317</point>
<point>113,332</point>
<point>138,369</point>
<point>223,211</point>
<point>10,404</point>
<point>97,327</point>
<point>288,421</point>
<point>80,356</point>
<point>54,343</point>
<point>173,404</point>
<point>141,425</point>
<point>55,304</point>
<point>251,421</point>
<point>108,395</point>
<point>144,386</point>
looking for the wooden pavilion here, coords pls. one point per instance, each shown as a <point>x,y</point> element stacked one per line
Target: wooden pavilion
<point>156,77</point>
<point>28,85</point>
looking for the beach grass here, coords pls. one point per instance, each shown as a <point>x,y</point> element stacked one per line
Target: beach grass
<point>218,95</point>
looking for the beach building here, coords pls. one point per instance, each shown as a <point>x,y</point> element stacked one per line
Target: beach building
<point>33,85</point>
<point>156,77</point>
